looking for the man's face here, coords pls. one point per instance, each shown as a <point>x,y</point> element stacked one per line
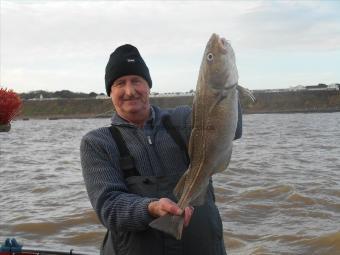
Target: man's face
<point>130,96</point>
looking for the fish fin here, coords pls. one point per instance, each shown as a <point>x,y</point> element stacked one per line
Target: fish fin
<point>220,96</point>
<point>170,224</point>
<point>224,166</point>
<point>246,92</point>
<point>200,199</point>
<point>178,191</point>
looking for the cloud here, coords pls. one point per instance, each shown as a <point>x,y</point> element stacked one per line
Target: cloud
<point>77,28</point>
<point>85,25</point>
<point>75,38</point>
<point>293,25</point>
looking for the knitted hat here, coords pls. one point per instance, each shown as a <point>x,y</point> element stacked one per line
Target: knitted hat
<point>125,60</point>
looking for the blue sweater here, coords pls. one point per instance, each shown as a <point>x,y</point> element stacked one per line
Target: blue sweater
<point>155,154</point>
<point>106,187</point>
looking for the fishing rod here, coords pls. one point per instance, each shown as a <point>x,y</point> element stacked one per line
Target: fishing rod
<point>12,247</point>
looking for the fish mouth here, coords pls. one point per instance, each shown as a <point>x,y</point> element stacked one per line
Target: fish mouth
<point>222,43</point>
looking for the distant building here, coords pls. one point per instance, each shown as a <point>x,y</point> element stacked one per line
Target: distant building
<point>102,96</point>
<point>298,87</point>
<point>320,86</point>
<point>172,94</point>
<point>334,86</point>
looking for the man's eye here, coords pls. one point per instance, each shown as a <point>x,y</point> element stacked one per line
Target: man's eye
<point>136,81</point>
<point>118,83</point>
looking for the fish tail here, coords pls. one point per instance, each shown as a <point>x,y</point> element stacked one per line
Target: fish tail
<point>170,224</point>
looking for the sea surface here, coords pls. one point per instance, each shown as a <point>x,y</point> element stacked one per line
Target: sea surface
<point>280,194</point>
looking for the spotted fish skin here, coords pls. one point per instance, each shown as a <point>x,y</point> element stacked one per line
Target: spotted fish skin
<point>214,122</point>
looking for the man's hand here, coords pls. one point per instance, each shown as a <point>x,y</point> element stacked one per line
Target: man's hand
<point>188,211</point>
<point>164,206</point>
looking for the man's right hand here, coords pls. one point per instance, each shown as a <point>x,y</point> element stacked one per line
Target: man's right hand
<point>164,206</point>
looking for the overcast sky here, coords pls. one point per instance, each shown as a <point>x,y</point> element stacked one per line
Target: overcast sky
<point>56,45</point>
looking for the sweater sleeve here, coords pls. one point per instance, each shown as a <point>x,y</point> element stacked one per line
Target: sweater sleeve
<point>184,114</point>
<point>115,207</point>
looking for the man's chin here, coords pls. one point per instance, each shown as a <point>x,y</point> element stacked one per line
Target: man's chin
<point>134,109</point>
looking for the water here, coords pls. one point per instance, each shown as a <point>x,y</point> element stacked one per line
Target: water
<point>281,194</point>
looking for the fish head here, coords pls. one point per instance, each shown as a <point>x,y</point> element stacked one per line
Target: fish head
<point>218,65</point>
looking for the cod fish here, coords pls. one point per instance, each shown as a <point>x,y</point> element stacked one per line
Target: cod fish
<point>214,122</point>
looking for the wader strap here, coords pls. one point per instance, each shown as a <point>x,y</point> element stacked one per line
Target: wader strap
<point>173,132</point>
<point>126,161</point>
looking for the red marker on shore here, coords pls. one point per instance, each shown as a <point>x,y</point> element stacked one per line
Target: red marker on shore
<point>10,105</point>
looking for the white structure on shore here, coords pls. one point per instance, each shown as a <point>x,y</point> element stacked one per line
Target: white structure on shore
<point>172,94</point>
<point>320,86</point>
<point>102,96</point>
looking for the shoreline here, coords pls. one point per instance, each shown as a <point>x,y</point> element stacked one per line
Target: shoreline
<point>266,103</point>
<point>58,117</point>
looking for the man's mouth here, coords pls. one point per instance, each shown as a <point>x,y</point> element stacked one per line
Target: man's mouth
<point>131,99</point>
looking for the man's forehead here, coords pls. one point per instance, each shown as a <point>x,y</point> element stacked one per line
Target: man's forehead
<point>128,77</point>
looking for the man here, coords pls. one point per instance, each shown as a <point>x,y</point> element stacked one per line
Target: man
<point>131,168</point>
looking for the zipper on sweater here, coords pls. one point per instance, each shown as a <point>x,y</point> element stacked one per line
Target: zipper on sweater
<point>149,139</point>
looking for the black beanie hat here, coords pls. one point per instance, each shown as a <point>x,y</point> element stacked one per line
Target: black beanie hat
<point>125,60</point>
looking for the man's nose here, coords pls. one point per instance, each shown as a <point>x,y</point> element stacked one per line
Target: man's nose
<point>130,89</point>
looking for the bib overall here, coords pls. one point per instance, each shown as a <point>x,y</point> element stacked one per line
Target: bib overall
<point>203,236</point>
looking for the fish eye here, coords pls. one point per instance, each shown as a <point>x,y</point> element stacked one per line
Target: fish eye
<point>210,56</point>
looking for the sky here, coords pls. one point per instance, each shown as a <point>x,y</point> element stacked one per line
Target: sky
<point>65,45</point>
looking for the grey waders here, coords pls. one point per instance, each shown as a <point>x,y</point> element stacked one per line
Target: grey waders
<point>203,236</point>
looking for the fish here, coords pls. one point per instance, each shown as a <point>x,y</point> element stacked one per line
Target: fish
<point>214,123</point>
